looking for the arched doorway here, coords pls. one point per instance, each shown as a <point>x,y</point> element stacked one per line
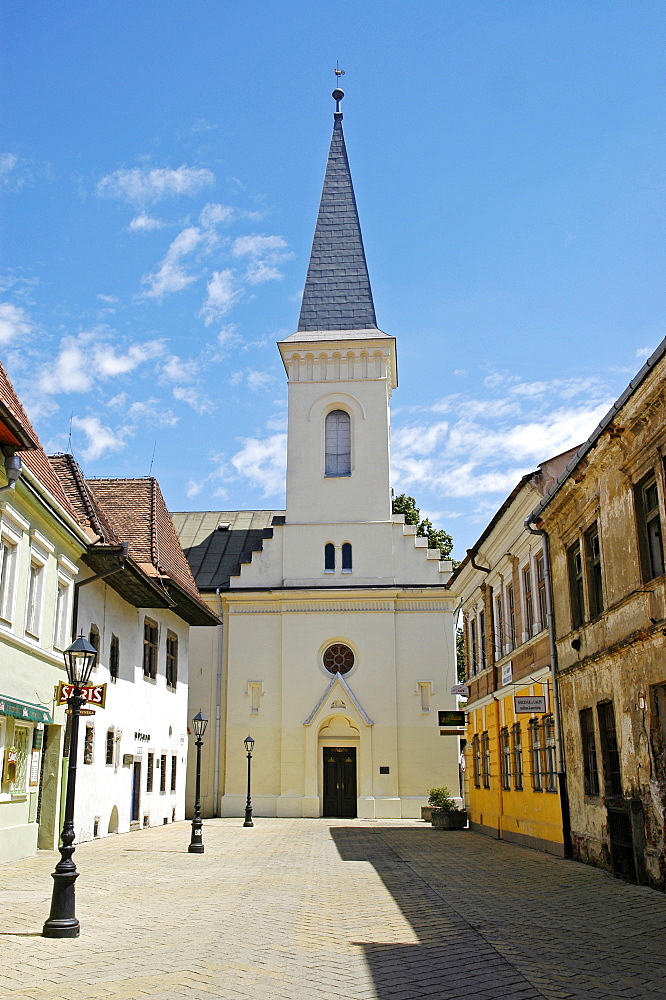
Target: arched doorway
<point>338,742</point>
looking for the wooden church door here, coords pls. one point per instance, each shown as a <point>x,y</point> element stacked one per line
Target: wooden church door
<point>340,782</point>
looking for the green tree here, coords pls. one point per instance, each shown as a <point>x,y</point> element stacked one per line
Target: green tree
<point>437,537</point>
<point>460,655</point>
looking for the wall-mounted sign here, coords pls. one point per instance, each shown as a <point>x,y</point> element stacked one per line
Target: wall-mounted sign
<point>460,689</point>
<point>94,695</point>
<point>82,711</point>
<point>456,719</point>
<point>528,705</point>
<point>34,767</point>
<point>507,673</point>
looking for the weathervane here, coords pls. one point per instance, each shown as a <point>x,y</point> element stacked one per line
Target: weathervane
<point>337,93</point>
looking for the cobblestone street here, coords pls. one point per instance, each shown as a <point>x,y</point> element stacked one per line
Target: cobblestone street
<point>391,910</point>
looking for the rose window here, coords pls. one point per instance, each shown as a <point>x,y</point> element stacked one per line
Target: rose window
<point>338,658</point>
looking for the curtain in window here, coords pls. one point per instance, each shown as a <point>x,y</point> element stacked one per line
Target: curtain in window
<point>338,444</point>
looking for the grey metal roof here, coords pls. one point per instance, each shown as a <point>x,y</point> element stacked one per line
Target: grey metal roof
<point>216,542</point>
<point>337,293</point>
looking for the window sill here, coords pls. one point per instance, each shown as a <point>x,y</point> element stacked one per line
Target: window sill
<point>329,571</point>
<point>149,679</point>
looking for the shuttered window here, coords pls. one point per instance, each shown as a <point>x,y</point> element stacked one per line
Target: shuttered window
<point>338,444</point>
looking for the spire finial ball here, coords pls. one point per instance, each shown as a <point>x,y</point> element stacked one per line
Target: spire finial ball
<point>338,94</point>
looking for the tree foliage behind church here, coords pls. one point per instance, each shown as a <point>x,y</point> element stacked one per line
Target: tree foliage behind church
<point>437,537</point>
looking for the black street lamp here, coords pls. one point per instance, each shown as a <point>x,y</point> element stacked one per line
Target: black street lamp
<point>79,659</point>
<point>199,723</point>
<point>249,746</point>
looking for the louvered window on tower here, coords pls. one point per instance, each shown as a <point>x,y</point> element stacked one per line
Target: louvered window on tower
<point>338,444</point>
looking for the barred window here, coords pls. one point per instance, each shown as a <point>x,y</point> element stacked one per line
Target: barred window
<point>174,764</point>
<point>535,752</point>
<point>110,744</point>
<point>610,750</point>
<point>163,772</point>
<point>517,741</point>
<point>505,758</point>
<point>88,743</point>
<point>476,760</point>
<point>550,761</point>
<point>485,759</point>
<point>590,766</point>
<point>150,772</point>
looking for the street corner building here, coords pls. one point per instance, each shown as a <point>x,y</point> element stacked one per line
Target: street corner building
<point>511,754</point>
<point>337,642</point>
<point>604,520</point>
<point>99,557</point>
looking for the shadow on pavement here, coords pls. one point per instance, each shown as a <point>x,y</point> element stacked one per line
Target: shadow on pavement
<point>452,960</point>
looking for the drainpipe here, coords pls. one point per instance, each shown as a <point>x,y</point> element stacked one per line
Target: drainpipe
<point>13,467</point>
<point>218,710</point>
<point>559,743</point>
<point>91,579</point>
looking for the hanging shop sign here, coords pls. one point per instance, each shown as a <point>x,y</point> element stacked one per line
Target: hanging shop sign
<point>529,705</point>
<point>456,719</point>
<point>460,689</point>
<point>94,695</point>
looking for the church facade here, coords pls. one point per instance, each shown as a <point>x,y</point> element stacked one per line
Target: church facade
<point>336,647</point>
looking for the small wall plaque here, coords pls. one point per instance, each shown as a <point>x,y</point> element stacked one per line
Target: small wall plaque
<point>128,759</point>
<point>384,770</point>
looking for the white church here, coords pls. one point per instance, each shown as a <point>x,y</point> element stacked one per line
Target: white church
<point>337,646</point>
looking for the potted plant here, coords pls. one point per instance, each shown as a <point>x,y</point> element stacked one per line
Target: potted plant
<point>446,814</point>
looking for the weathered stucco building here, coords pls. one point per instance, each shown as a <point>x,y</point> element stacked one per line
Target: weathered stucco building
<point>512,761</point>
<point>337,643</point>
<point>604,519</point>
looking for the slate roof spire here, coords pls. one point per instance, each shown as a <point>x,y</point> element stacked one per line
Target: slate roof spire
<point>337,293</point>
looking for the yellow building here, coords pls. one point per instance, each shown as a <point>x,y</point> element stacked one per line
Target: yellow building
<point>512,763</point>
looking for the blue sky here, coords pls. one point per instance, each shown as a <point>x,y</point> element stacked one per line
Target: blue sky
<point>161,169</point>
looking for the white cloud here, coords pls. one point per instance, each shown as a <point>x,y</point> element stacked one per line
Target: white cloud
<point>265,253</point>
<point>12,174</point>
<point>142,186</point>
<point>258,380</point>
<point>214,214</point>
<point>88,358</point>
<point>222,293</point>
<point>145,223</point>
<point>14,323</point>
<point>644,352</point>
<point>263,463</point>
<point>171,276</point>
<point>152,411</point>
<point>194,398</point>
<point>177,370</point>
<point>100,439</point>
<point>111,299</point>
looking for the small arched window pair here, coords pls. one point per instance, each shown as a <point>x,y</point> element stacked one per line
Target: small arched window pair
<point>338,443</point>
<point>329,557</point>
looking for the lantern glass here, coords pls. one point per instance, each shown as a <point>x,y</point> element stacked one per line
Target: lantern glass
<point>79,660</point>
<point>249,744</point>
<point>199,723</point>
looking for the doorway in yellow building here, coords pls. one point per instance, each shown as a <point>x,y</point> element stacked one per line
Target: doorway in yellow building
<point>340,782</point>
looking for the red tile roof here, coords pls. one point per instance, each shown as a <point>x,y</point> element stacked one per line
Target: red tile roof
<point>35,459</point>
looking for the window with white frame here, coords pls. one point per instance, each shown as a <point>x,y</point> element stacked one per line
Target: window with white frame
<point>528,601</point>
<point>61,614</point>
<point>541,591</point>
<point>8,560</point>
<point>338,443</point>
<point>511,614</point>
<point>36,576</point>
<point>499,627</point>
<point>21,742</point>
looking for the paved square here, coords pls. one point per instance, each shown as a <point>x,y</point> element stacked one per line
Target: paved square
<point>390,910</point>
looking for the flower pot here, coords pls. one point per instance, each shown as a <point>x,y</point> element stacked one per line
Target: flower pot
<point>442,820</point>
<point>426,813</point>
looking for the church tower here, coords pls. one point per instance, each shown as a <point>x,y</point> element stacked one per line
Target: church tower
<point>341,369</point>
<point>337,643</point>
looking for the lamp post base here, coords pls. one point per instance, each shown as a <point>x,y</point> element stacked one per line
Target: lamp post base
<point>61,928</point>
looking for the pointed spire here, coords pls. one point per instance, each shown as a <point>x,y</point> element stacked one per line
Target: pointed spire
<point>337,293</point>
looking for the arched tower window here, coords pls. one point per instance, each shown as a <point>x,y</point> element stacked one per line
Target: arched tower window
<point>338,444</point>
<point>347,557</point>
<point>329,557</point>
